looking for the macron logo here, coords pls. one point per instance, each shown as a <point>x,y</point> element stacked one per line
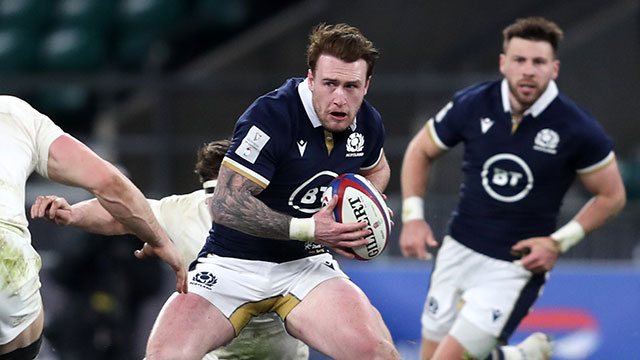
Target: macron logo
<point>485,124</point>
<point>302,145</point>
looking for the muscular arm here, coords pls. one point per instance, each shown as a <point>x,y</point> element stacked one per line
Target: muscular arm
<point>234,204</point>
<point>87,215</point>
<point>379,174</point>
<point>608,200</point>
<point>73,163</point>
<point>416,165</point>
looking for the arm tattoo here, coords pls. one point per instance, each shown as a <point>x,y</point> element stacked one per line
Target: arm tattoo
<point>234,205</point>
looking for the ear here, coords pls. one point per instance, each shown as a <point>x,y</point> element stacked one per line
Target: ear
<point>311,79</point>
<point>502,61</point>
<point>366,85</point>
<point>556,69</point>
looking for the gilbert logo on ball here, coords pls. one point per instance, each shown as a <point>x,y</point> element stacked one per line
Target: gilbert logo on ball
<point>360,201</point>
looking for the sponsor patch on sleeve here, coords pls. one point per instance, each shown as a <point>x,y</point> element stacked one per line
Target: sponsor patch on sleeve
<point>252,144</point>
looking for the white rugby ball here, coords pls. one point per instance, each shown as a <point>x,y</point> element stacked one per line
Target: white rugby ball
<point>360,201</point>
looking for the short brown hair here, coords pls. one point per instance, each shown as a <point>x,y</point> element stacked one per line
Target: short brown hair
<point>210,157</point>
<point>536,29</point>
<point>342,41</point>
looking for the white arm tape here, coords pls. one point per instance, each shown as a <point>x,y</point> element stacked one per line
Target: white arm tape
<point>412,209</point>
<point>568,235</point>
<point>303,229</point>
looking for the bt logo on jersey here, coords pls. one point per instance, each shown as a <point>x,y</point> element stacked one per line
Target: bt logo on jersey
<point>506,177</point>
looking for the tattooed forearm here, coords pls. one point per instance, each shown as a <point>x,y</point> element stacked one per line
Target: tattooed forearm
<point>234,205</point>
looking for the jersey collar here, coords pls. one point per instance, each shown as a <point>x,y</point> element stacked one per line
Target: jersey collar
<point>539,106</point>
<point>209,186</point>
<point>307,102</point>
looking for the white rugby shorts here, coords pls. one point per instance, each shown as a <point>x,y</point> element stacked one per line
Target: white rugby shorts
<point>492,294</point>
<point>20,301</point>
<point>243,288</point>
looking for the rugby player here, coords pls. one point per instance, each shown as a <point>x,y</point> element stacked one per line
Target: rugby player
<point>267,250</point>
<point>30,141</point>
<point>524,144</point>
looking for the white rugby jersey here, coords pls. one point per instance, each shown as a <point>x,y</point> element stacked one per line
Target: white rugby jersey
<point>186,220</point>
<point>25,137</point>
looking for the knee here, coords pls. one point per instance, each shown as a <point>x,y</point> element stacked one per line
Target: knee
<point>373,346</point>
<point>159,352</point>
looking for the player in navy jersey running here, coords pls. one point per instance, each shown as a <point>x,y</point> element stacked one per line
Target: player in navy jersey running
<point>524,144</point>
<point>266,251</point>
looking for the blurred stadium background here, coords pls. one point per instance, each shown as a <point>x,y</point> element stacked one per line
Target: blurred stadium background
<point>146,82</point>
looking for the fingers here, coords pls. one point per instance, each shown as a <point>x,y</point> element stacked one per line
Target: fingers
<point>50,207</point>
<point>182,285</point>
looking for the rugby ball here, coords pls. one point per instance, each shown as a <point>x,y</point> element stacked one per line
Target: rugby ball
<point>360,201</point>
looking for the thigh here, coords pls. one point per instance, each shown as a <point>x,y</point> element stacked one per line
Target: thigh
<point>442,304</point>
<point>337,319</point>
<point>499,295</point>
<point>188,327</point>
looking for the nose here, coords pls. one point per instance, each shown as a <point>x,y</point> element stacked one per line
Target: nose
<point>339,96</point>
<point>528,68</point>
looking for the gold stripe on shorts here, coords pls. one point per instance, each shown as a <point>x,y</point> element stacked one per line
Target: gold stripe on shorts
<point>282,305</point>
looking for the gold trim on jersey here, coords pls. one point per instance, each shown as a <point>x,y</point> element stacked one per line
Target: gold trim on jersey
<point>282,305</point>
<point>515,122</point>
<point>328,141</point>
<point>244,172</point>
<point>599,165</point>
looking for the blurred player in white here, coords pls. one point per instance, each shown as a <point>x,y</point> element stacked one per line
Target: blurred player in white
<point>525,143</point>
<point>187,220</point>
<point>30,141</point>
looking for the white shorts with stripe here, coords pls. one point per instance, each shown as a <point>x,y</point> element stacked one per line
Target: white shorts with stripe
<point>492,294</point>
<point>242,288</point>
<point>20,301</point>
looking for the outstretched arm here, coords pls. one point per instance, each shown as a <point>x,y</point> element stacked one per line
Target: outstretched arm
<point>87,215</point>
<point>73,163</point>
<point>234,204</point>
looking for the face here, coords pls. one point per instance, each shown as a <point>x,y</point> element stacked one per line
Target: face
<point>528,67</point>
<point>338,89</point>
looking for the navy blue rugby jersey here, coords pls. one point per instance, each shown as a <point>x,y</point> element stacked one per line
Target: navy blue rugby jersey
<point>280,144</point>
<point>514,182</point>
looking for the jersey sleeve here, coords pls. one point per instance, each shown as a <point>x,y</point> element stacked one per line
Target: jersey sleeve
<point>47,133</point>
<point>260,136</point>
<point>445,128</point>
<point>595,148</point>
<point>39,128</point>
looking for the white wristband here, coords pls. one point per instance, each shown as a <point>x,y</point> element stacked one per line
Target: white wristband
<point>412,209</point>
<point>568,235</point>
<point>303,229</point>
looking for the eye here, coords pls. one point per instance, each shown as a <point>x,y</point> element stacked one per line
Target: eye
<point>539,61</point>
